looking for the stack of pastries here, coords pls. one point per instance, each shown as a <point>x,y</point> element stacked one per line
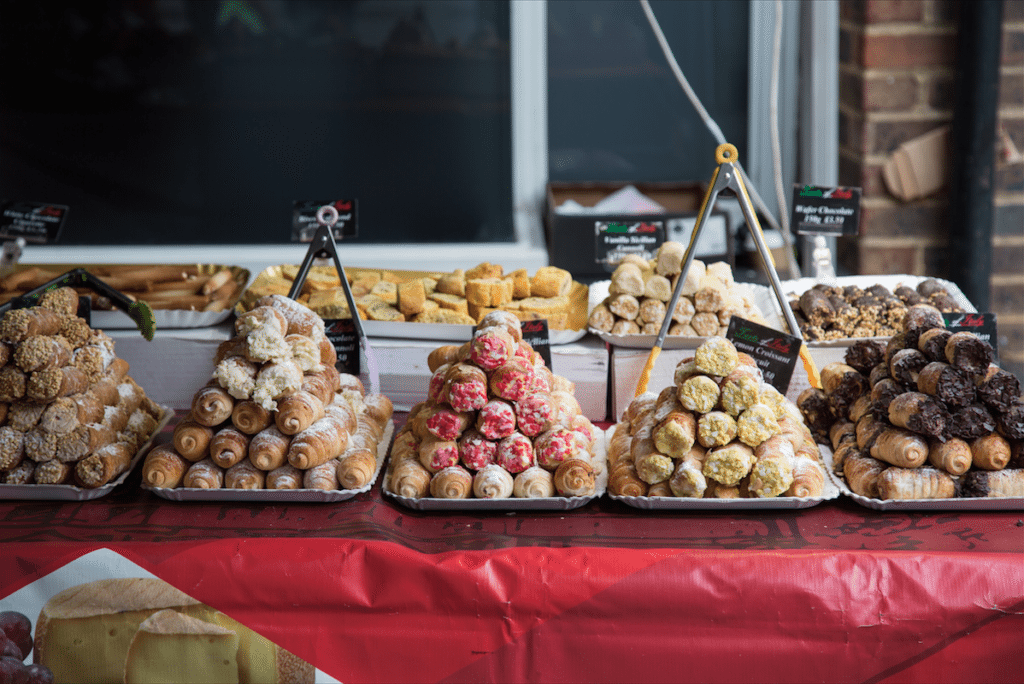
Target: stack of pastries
<point>926,415</point>
<point>718,431</point>
<point>497,424</point>
<point>277,414</point>
<point>69,412</point>
<point>640,290</point>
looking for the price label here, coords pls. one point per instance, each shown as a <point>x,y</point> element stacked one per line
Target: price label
<point>304,222</point>
<point>34,221</point>
<point>616,239</point>
<point>825,211</point>
<point>342,334</point>
<point>776,353</point>
<point>981,324</point>
<point>535,333</point>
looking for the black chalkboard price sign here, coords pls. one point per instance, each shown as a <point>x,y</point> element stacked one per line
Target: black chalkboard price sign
<point>825,211</point>
<point>776,353</point>
<point>34,221</point>
<point>342,334</point>
<point>535,333</point>
<point>616,239</point>
<point>304,221</point>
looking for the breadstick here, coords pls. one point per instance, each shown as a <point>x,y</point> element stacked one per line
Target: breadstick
<point>900,448</point>
<point>164,467</point>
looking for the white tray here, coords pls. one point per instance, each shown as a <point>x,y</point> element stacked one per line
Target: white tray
<point>277,495</point>
<point>165,319</point>
<point>761,295</point>
<point>67,492</point>
<point>549,503</point>
<point>448,332</point>
<point>956,504</point>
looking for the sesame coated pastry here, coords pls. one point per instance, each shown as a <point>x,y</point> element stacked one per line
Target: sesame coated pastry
<point>37,352</point>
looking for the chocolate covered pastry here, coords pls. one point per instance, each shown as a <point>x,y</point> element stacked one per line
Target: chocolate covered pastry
<point>946,383</point>
<point>969,353</point>
<point>919,413</point>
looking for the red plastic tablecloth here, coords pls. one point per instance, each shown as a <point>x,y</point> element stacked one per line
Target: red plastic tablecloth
<point>372,611</point>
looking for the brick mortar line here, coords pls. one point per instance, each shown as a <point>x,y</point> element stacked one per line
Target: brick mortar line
<point>923,115</point>
<point>1009,199</point>
<point>892,242</point>
<point>1007,279</point>
<point>905,29</point>
<point>875,72</point>
<point>1007,240</point>
<point>886,203</point>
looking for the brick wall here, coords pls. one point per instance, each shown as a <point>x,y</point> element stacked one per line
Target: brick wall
<point>898,61</point>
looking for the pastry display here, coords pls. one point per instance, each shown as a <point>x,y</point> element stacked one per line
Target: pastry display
<point>640,291</point>
<point>697,439</point>
<point>832,312</point>
<point>462,296</point>
<point>497,424</point>
<point>71,413</point>
<point>933,418</point>
<point>190,287</point>
<point>142,630</point>
<point>264,423</point>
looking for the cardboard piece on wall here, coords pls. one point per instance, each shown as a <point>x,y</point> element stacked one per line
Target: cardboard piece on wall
<point>919,166</point>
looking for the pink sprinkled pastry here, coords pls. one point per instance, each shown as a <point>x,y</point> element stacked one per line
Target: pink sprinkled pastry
<point>491,348</point>
<point>496,419</point>
<point>475,450</point>
<point>438,454</point>
<point>533,414</point>
<point>515,453</point>
<point>446,424</point>
<point>513,380</point>
<point>465,387</point>
<point>554,446</point>
<point>435,390</point>
<point>504,320</point>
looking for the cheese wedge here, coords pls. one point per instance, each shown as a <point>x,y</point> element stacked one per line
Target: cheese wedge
<point>172,647</point>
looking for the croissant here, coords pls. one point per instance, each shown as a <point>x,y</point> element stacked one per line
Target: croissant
<point>284,477</point>
<point>533,483</point>
<point>191,439</point>
<point>575,477</point>
<point>164,467</point>
<point>453,482</point>
<point>320,442</point>
<point>105,464</point>
<point>212,405</point>
<point>204,474</point>
<point>356,468</point>
<point>249,417</point>
<point>492,482</point>
<point>228,447</point>
<point>268,449</point>
<point>410,479</point>
<point>916,483</point>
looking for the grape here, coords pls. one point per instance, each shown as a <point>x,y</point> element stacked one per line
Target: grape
<point>9,649</point>
<point>12,671</point>
<point>39,674</point>
<point>18,629</point>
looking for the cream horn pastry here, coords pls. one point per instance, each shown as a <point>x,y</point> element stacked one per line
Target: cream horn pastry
<point>900,448</point>
<point>212,405</point>
<point>410,479</point>
<point>275,380</point>
<point>651,466</point>
<point>585,432</point>
<point>264,329</point>
<point>204,474</point>
<point>919,413</point>
<point>6,351</point>
<point>864,355</point>
<point>1001,483</point>
<point>164,467</point>
<point>21,474</point>
<point>356,468</point>
<point>492,482</point>
<point>554,446</point>
<point>406,445</point>
<point>990,452</point>
<point>716,428</point>
<point>103,465</point>
<point>860,408</point>
<point>46,385</point>
<point>533,483</point>
<point>971,422</point>
<point>564,408</point>
<point>60,300</point>
<point>515,453</point>
<point>452,482</point>
<point>322,385</point>
<point>436,454</point>
<point>443,422</point>
<point>491,348</point>
<point>475,450</point>
<point>808,478</point>
<point>861,473</point>
<point>249,417</point>
<point>435,388</point>
<point>496,419</point>
<point>946,383</point>
<point>465,387</point>
<point>699,394</point>
<point>301,319</point>
<point>716,356</point>
<point>688,479</point>
<point>916,483</point>
<point>729,464</point>
<point>304,352</point>
<point>756,424</point>
<point>105,391</point>
<point>841,431</point>
<point>601,319</point>
<point>40,446</point>
<point>932,343</point>
<point>844,451</point>
<point>115,417</point>
<point>740,390</point>
<point>323,477</point>
<point>378,407</point>
<point>772,473</point>
<point>232,347</point>
<point>237,375</point>
<point>24,415</point>
<point>882,394</point>
<point>191,439</point>
<point>513,380</point>
<point>998,389</point>
<point>284,477</point>
<point>676,434</point>
<point>294,413</point>
<point>229,446</point>
<point>869,427</point>
<point>93,360</point>
<point>328,354</point>
<point>320,442</point>
<point>343,412</point>
<point>12,384</point>
<point>1010,423</point>
<point>446,354</point>
<point>75,330</point>
<point>954,455</point>
<point>575,477</point>
<point>60,417</point>
<point>969,353</point>
<point>268,449</point>
<point>624,481</point>
<point>816,410</point>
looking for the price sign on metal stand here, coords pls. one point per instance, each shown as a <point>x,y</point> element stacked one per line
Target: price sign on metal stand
<point>616,239</point>
<point>776,353</point>
<point>36,222</point>
<point>305,222</point>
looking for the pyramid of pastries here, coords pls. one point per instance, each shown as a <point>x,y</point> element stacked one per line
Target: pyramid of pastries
<point>640,290</point>
<point>497,423</point>
<point>69,412</point>
<point>276,414</point>
<point>926,415</point>
<point>718,431</point>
